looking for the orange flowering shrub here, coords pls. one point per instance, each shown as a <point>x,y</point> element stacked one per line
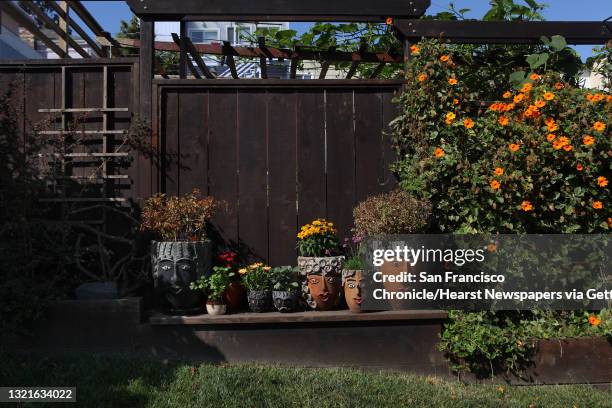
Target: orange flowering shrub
<point>535,158</point>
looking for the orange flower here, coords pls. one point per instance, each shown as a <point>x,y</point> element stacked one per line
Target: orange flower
<point>598,97</point>
<point>444,58</point>
<point>535,77</point>
<point>414,50</point>
<point>519,98</point>
<point>579,167</point>
<point>499,171</point>
<point>526,206</point>
<point>455,101</point>
<point>594,320</point>
<point>568,148</point>
<point>558,145</point>
<point>503,120</point>
<point>540,104</point>
<point>599,126</point>
<point>495,184</point>
<point>450,117</point>
<point>514,147</point>
<point>507,95</point>
<point>588,140</point>
<point>468,123</point>
<point>598,205</point>
<point>389,21</point>
<point>551,137</point>
<point>609,98</point>
<point>602,181</point>
<point>549,96</point>
<point>439,152</point>
<point>527,88</point>
<point>610,222</point>
<point>589,97</point>
<point>453,81</point>
<point>552,127</point>
<point>559,86</point>
<point>422,77</point>
<point>549,121</point>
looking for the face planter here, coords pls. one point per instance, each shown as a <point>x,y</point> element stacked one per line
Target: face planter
<point>175,266</point>
<point>351,282</point>
<point>322,281</point>
<point>285,301</point>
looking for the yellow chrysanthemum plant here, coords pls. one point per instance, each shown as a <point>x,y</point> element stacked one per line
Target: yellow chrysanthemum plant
<point>318,239</point>
<point>256,277</point>
<point>505,145</point>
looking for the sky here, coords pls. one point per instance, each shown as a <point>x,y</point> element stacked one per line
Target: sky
<point>110,13</point>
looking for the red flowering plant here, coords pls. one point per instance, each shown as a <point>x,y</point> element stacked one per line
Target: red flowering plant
<point>229,261</point>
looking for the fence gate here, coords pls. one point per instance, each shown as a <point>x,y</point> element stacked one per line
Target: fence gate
<point>279,153</point>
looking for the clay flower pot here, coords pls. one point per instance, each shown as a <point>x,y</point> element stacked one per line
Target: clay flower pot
<point>260,301</point>
<point>322,281</point>
<point>286,301</point>
<point>234,296</point>
<point>216,308</point>
<point>351,284</point>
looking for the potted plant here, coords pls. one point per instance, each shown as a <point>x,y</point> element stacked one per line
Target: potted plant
<point>285,293</point>
<point>393,213</point>
<point>256,279</point>
<point>320,263</point>
<point>352,273</point>
<point>183,253</point>
<point>235,294</point>
<point>214,287</point>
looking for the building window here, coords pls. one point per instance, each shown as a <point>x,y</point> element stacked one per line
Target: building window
<point>204,36</point>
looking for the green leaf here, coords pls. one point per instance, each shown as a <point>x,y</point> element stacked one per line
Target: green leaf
<point>558,43</point>
<point>517,77</point>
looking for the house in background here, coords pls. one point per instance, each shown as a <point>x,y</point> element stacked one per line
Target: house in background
<point>12,45</point>
<point>237,34</point>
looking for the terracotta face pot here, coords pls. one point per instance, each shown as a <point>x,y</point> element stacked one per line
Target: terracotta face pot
<point>324,289</point>
<point>351,282</point>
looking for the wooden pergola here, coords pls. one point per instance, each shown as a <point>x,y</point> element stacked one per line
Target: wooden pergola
<point>403,15</point>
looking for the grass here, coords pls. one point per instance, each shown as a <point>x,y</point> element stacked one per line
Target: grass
<point>130,382</point>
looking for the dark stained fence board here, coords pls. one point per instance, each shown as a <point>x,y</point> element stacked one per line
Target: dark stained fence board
<point>390,112</point>
<point>170,145</point>
<point>193,135</point>
<point>282,176</point>
<point>312,192</point>
<point>223,161</point>
<point>368,143</point>
<point>340,138</point>
<point>252,189</point>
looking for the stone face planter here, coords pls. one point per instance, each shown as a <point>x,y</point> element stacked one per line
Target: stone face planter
<point>286,301</point>
<point>322,281</point>
<point>216,309</point>
<point>175,266</point>
<point>260,301</point>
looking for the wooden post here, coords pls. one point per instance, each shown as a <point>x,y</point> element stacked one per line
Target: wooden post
<point>64,23</point>
<point>147,36</point>
<point>183,51</point>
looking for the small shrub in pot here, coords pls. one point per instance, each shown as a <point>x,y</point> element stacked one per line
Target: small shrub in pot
<point>256,280</point>
<point>214,287</point>
<point>184,252</point>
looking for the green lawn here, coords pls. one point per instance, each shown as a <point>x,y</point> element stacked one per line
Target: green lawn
<point>125,382</point>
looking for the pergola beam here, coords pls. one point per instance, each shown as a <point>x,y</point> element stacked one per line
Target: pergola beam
<point>505,32</point>
<point>288,10</point>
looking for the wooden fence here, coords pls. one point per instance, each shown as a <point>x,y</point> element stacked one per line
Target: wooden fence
<point>280,153</point>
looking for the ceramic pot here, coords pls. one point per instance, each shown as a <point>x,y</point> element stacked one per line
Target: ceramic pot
<point>286,301</point>
<point>322,281</point>
<point>351,285</point>
<point>216,309</point>
<point>175,266</point>
<point>234,296</point>
<point>260,301</point>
